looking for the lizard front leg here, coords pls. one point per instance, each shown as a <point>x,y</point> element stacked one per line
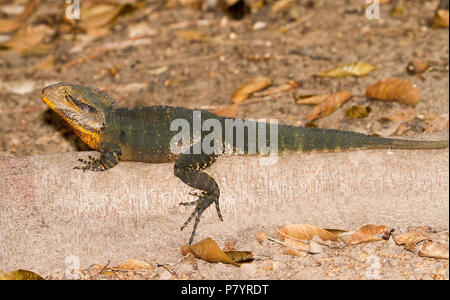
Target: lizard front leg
<point>109,157</point>
<point>188,168</point>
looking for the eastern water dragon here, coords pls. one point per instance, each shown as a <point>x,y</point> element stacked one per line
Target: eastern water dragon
<point>144,134</point>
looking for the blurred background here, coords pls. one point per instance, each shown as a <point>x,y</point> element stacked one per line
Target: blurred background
<point>304,62</point>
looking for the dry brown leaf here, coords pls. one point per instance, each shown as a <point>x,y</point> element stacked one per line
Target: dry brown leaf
<point>357,69</point>
<point>395,89</point>
<point>358,111</point>
<point>101,15</point>
<point>10,25</point>
<point>386,130</point>
<point>328,106</point>
<point>315,245</point>
<point>134,264</point>
<point>301,232</point>
<point>240,256</point>
<point>417,67</point>
<point>297,245</point>
<point>282,5</point>
<point>434,250</point>
<point>209,251</point>
<point>29,40</point>
<point>95,33</point>
<point>294,252</point>
<point>410,239</point>
<point>310,99</point>
<point>229,111</point>
<point>402,115</point>
<point>246,89</point>
<point>436,123</point>
<point>261,236</point>
<point>441,18</point>
<point>291,85</point>
<point>381,2</point>
<point>337,232</point>
<point>20,275</point>
<point>370,233</point>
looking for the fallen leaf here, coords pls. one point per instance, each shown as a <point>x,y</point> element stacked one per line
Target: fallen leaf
<point>386,131</point>
<point>441,19</point>
<point>315,245</point>
<point>310,99</point>
<point>301,232</point>
<point>240,256</point>
<point>370,233</point>
<point>402,115</point>
<point>410,239</point>
<point>357,69</point>
<point>337,232</point>
<point>20,275</point>
<point>358,111</point>
<point>434,250</point>
<point>134,264</point>
<point>395,89</point>
<point>29,40</point>
<point>417,67</point>
<point>261,236</point>
<point>99,15</point>
<point>95,33</point>
<point>437,123</point>
<point>140,30</point>
<point>371,2</point>
<point>209,251</point>
<point>246,89</point>
<point>229,111</point>
<point>9,25</point>
<point>328,106</point>
<point>291,85</point>
<point>282,5</point>
<point>295,248</point>
<point>295,252</point>
<point>295,244</point>
<point>158,71</point>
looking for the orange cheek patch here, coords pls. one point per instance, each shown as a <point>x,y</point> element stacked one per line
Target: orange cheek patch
<point>91,138</point>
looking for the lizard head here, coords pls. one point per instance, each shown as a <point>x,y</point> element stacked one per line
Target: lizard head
<point>83,108</point>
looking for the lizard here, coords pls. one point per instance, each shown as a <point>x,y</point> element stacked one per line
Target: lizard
<point>144,133</point>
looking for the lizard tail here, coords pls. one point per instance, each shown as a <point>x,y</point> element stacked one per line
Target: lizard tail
<point>302,139</point>
<point>409,144</point>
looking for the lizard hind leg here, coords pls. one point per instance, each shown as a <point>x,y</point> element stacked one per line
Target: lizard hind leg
<point>189,169</point>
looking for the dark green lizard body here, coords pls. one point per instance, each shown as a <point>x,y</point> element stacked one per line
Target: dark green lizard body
<point>145,134</point>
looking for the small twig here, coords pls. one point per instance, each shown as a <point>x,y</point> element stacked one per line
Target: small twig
<point>165,266</point>
<point>101,271</point>
<point>276,241</point>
